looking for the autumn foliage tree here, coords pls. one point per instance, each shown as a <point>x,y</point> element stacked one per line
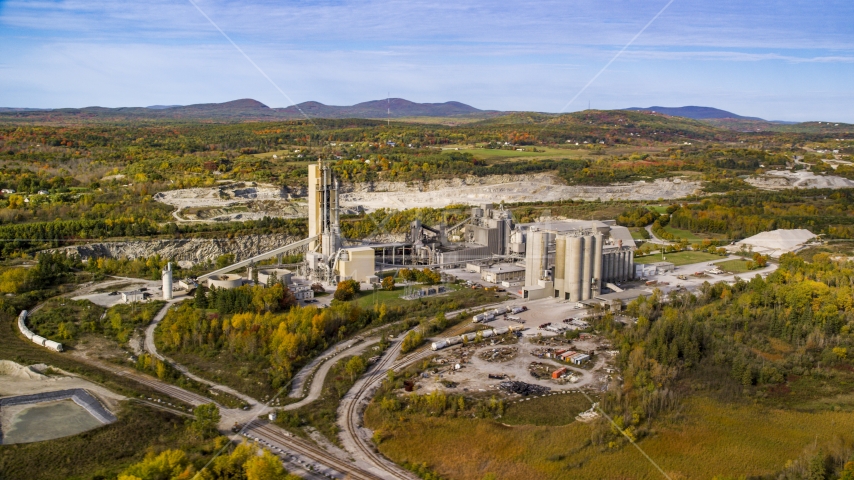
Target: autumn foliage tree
<point>347,290</point>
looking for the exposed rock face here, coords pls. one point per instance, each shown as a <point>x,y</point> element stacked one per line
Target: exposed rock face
<point>785,179</point>
<point>192,250</point>
<point>503,188</point>
<point>432,185</point>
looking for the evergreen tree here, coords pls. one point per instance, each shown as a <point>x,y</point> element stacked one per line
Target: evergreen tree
<point>201,300</point>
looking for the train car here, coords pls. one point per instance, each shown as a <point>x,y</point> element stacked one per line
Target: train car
<point>39,340</point>
<point>55,346</point>
<point>22,325</point>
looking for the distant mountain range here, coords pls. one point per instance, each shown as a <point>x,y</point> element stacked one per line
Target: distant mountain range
<point>249,109</point>
<point>709,114</point>
<point>450,113</point>
<point>696,113</point>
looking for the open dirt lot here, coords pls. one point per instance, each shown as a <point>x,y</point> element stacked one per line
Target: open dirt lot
<point>513,360</point>
<point>239,201</point>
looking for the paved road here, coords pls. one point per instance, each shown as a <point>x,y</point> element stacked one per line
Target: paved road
<point>320,374</point>
<point>654,239</point>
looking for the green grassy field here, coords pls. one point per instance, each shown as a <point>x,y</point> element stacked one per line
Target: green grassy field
<point>678,258</point>
<point>679,233</point>
<point>463,297</point>
<point>734,266</point>
<point>554,410</point>
<point>661,209</point>
<point>707,438</point>
<point>487,153</point>
<point>639,233</point>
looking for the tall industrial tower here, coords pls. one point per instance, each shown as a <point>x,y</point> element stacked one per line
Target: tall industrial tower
<point>323,209</point>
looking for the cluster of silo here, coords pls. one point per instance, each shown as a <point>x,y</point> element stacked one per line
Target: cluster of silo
<point>578,266</point>
<point>618,265</point>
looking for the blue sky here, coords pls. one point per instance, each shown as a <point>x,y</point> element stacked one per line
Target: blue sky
<point>783,60</point>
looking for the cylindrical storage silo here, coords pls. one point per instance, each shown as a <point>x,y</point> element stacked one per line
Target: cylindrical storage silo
<point>597,265</point>
<point>575,250</point>
<point>560,266</point>
<point>625,275</point>
<point>531,250</point>
<point>587,267</point>
<point>543,255</point>
<point>631,265</point>
<point>624,266</point>
<point>612,260</point>
<point>167,282</point>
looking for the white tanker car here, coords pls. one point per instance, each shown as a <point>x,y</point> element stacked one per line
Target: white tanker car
<point>468,337</point>
<point>37,339</point>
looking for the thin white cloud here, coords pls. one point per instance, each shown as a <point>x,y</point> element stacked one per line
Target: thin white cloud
<point>523,55</point>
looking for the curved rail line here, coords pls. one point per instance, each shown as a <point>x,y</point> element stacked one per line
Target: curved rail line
<point>264,430</point>
<point>352,414</point>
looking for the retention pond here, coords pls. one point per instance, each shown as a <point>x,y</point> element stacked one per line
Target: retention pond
<point>46,421</point>
<point>49,415</point>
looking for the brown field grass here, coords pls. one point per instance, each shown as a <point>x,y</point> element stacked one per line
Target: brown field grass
<point>707,438</point>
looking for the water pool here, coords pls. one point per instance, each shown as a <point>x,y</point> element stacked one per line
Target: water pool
<point>46,421</point>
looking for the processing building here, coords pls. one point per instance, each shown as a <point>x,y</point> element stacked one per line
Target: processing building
<point>570,260</point>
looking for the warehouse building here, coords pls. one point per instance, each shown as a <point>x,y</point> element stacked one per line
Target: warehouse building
<point>502,273</point>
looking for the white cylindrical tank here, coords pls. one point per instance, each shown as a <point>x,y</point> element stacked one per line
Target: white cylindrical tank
<point>543,255</point>
<point>624,266</point>
<point>575,250</point>
<point>438,345</point>
<point>611,261</point>
<point>560,265</point>
<point>587,267</point>
<point>39,340</point>
<point>55,346</point>
<point>167,282</point>
<point>530,248</point>
<point>597,265</point>
<point>486,333</point>
<point>454,340</point>
<point>631,265</point>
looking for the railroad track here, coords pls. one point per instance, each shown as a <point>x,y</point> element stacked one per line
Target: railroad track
<point>178,393</point>
<point>274,435</point>
<point>375,375</point>
<point>373,378</point>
